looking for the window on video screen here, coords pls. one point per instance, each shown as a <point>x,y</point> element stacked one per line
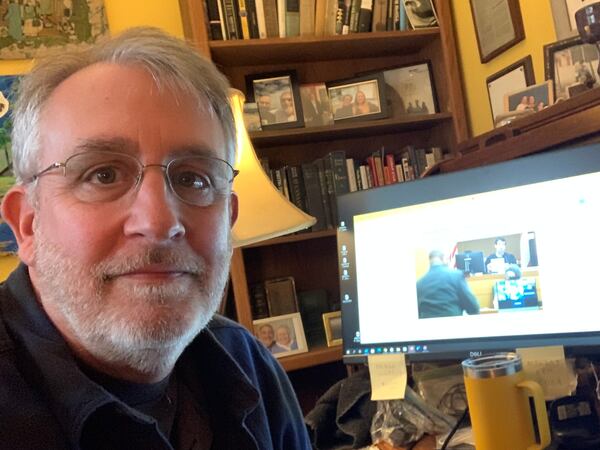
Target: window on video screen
<point>501,263</point>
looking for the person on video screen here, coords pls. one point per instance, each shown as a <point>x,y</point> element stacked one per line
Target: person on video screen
<point>498,261</point>
<point>444,292</point>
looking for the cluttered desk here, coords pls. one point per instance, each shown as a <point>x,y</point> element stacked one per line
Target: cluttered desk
<point>408,297</point>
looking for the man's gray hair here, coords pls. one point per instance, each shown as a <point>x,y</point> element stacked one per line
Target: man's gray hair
<point>171,62</point>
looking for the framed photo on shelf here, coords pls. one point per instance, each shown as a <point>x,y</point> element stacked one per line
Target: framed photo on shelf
<point>316,107</point>
<point>278,99</point>
<point>281,335</point>
<point>532,98</point>
<point>332,321</point>
<point>518,75</point>
<point>420,13</point>
<point>410,89</point>
<point>281,296</point>
<point>498,26</point>
<point>572,65</point>
<point>359,98</point>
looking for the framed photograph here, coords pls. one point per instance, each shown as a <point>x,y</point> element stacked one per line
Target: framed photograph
<point>498,26</point>
<point>572,66</point>
<point>281,335</point>
<point>281,296</point>
<point>332,322</point>
<point>410,89</point>
<point>316,107</point>
<point>420,13</point>
<point>532,98</point>
<point>518,75</point>
<point>360,98</point>
<point>278,99</point>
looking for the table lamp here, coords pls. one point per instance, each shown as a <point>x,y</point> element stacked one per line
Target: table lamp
<point>264,213</point>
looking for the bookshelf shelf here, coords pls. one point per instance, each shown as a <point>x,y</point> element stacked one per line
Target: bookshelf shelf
<point>348,130</point>
<point>311,48</point>
<point>314,357</point>
<point>294,238</point>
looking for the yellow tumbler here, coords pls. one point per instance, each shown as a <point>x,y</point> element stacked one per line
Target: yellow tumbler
<point>498,396</point>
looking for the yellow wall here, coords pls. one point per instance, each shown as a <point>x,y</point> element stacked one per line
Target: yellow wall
<point>123,14</point>
<point>539,30</point>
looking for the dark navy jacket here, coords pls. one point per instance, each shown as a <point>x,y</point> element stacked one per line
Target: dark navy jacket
<point>47,402</point>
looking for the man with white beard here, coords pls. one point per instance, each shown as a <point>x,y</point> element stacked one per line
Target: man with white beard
<point>122,211</point>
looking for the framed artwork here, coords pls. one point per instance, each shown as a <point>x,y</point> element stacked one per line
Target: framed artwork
<point>332,322</point>
<point>278,99</point>
<point>39,28</point>
<point>572,66</point>
<point>420,13</point>
<point>281,296</point>
<point>532,98</point>
<point>410,89</point>
<point>281,335</point>
<point>360,98</point>
<point>498,26</point>
<point>316,107</point>
<point>518,75</point>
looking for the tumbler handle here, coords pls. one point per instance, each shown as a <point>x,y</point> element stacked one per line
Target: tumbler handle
<point>535,390</point>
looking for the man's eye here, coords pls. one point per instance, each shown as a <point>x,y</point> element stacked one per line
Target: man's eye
<point>192,180</point>
<point>105,175</point>
<point>102,175</point>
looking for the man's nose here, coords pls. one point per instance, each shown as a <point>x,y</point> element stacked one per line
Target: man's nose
<point>154,212</point>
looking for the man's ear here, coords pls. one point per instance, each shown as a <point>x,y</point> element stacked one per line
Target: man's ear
<point>18,213</point>
<point>233,208</point>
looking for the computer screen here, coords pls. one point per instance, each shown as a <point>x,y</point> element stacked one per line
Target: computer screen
<point>536,222</point>
<point>470,262</point>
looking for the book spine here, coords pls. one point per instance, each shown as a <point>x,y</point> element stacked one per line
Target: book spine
<point>243,17</point>
<point>285,182</point>
<point>354,15</point>
<point>292,18</point>
<point>364,179</point>
<point>323,183</point>
<point>233,26</point>
<point>391,165</point>
<point>214,20</point>
<point>271,23</point>
<point>307,17</point>
<point>337,160</point>
<point>402,18</point>
<point>379,21</point>
<point>379,169</point>
<point>351,175</point>
<point>314,201</point>
<point>320,17</point>
<point>296,184</point>
<point>330,17</point>
<point>399,173</point>
<point>252,19</point>
<point>365,16</point>
<point>373,171</point>
<point>395,14</point>
<point>281,7</point>
<point>223,19</point>
<point>261,19</point>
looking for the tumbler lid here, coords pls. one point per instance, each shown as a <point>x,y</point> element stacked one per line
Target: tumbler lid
<point>492,366</point>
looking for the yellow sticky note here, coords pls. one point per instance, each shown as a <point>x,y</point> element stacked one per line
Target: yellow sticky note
<point>547,366</point>
<point>388,376</point>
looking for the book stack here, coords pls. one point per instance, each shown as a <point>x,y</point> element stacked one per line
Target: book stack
<point>261,19</point>
<point>314,186</point>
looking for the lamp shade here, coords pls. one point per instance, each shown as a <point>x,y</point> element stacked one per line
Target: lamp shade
<point>264,213</point>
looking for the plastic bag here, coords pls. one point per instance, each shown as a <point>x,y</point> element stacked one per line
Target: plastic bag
<point>400,422</point>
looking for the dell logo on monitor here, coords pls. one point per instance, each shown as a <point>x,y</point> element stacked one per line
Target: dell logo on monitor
<point>475,354</point>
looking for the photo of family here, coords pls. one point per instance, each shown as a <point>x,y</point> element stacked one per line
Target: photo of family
<point>281,335</point>
<point>356,99</point>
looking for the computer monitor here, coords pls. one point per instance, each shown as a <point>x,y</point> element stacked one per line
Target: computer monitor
<point>470,262</point>
<point>546,211</point>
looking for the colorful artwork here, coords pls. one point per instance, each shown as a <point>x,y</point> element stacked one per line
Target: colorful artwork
<point>7,86</point>
<point>34,28</point>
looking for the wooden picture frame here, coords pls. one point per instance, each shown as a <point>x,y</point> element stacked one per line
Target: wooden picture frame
<point>498,26</point>
<point>518,75</point>
<point>281,335</point>
<point>280,89</point>
<point>572,65</point>
<point>359,98</point>
<point>332,322</point>
<point>281,296</point>
<point>541,93</point>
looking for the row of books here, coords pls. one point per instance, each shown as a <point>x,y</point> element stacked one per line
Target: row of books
<point>260,19</point>
<point>314,186</point>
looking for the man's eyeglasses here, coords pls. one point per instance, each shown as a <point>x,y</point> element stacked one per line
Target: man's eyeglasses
<point>104,176</point>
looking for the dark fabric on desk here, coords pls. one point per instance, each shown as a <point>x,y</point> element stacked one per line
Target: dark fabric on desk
<point>342,416</point>
<point>47,402</point>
